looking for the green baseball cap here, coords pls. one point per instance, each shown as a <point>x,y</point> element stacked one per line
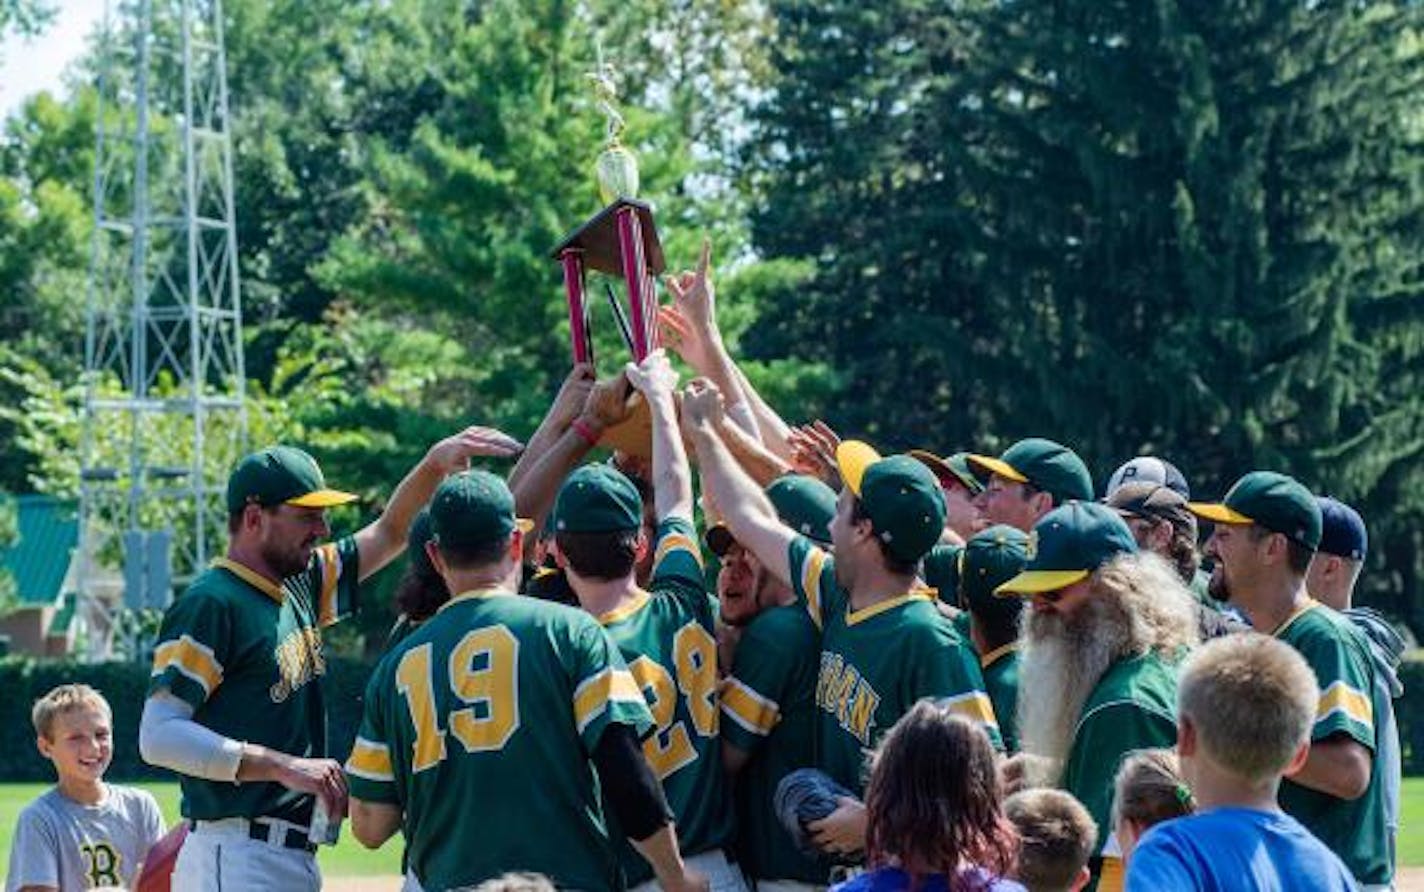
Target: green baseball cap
<point>990,558</point>
<point>1049,466</point>
<point>597,499</point>
<point>1274,501</point>
<point>471,509</point>
<point>900,495</point>
<point>803,503</point>
<point>1067,544</point>
<point>951,467</point>
<point>281,475</point>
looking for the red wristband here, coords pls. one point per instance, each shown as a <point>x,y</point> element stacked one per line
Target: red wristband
<point>585,433</point>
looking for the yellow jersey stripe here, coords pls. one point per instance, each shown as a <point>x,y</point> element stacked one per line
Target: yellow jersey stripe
<point>192,658</point>
<point>593,696</point>
<point>330,561</point>
<point>676,542</point>
<point>811,583</point>
<point>973,705</point>
<point>1340,697</point>
<point>370,760</point>
<point>749,709</point>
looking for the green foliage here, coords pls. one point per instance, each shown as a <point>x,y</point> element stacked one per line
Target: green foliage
<point>1174,227</point>
<point>9,538</point>
<point>25,17</point>
<point>125,686</point>
<point>1409,712</point>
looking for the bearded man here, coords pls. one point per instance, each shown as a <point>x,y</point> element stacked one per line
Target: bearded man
<point>1106,628</point>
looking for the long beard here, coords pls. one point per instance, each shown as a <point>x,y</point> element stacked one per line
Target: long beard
<point>1063,660</point>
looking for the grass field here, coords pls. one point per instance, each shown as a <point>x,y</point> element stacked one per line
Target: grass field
<point>347,859</point>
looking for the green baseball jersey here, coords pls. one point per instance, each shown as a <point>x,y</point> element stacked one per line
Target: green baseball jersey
<point>769,713</point>
<point>1133,707</point>
<point>878,662</point>
<point>480,725</point>
<point>1356,830</point>
<point>667,635</point>
<point>246,653</point>
<point>1001,681</point>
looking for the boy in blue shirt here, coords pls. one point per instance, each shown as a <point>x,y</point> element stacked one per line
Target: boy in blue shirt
<point>1245,708</point>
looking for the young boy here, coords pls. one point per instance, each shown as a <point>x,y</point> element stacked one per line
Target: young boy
<point>84,833</point>
<point>1056,838</point>
<point>1245,706</point>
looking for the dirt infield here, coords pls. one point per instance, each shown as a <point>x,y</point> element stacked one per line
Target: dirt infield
<point>362,884</point>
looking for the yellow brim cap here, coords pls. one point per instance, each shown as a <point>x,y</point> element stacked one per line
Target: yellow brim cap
<point>323,498</point>
<point>1218,513</point>
<point>997,466</point>
<point>852,458</point>
<point>1032,582</point>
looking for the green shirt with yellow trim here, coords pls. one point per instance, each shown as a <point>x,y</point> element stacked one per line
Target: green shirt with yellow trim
<point>878,662</point>
<point>1133,707</point>
<point>481,725</point>
<point>769,713</point>
<point>246,654</point>
<point>1356,830</point>
<point>667,636</point>
<point>1001,681</point>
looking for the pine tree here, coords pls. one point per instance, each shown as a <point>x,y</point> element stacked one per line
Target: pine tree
<point>1184,228</point>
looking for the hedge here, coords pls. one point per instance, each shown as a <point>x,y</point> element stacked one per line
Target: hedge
<point>23,680</point>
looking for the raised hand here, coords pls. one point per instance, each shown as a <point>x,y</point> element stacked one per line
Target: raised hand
<point>454,453</point>
<point>702,404</point>
<point>573,393</point>
<point>813,451</point>
<point>654,377</point>
<point>607,403</point>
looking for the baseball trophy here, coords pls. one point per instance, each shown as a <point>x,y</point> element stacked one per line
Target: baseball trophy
<point>619,241</point>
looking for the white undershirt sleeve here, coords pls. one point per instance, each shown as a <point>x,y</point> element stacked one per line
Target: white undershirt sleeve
<point>168,737</point>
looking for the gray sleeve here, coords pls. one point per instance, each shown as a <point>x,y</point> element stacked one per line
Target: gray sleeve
<point>151,820</point>
<point>34,852</point>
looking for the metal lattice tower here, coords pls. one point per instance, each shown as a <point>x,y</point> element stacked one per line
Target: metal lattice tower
<point>164,415</point>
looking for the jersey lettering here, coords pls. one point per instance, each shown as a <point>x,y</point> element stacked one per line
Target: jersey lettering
<point>103,861</point>
<point>694,657</point>
<point>844,693</point>
<point>299,660</point>
<point>483,673</point>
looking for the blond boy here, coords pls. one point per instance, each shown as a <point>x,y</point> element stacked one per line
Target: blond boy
<point>1245,708</point>
<point>1057,837</point>
<point>84,833</point>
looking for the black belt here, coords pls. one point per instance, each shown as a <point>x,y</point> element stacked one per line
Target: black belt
<point>292,839</point>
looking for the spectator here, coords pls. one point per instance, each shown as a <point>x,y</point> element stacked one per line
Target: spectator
<point>1148,790</point>
<point>935,820</point>
<point>1246,705</point>
<point>1056,838</point>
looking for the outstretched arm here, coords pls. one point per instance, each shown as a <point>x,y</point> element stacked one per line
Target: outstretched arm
<point>672,478</point>
<point>567,405</point>
<point>534,492</point>
<point>384,538</point>
<point>746,510</point>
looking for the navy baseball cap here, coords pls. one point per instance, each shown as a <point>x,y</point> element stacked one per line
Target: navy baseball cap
<point>1342,529</point>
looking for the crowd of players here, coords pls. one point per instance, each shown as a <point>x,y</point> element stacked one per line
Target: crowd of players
<point>914,671</point>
